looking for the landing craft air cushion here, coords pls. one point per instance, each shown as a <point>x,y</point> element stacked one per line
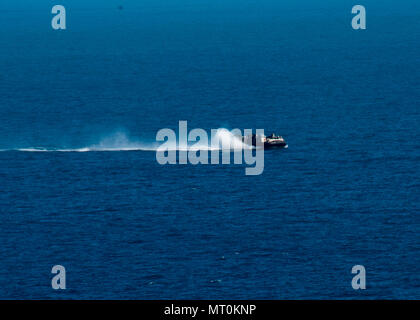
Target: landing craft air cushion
<point>271,141</point>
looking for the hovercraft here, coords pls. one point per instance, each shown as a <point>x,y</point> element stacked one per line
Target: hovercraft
<point>271,141</point>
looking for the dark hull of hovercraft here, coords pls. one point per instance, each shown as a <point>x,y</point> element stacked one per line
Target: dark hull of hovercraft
<point>272,145</point>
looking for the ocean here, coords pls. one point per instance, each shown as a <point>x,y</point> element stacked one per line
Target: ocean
<point>81,187</point>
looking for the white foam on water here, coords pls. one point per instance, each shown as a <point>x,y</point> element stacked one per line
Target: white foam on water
<point>121,142</point>
<point>230,141</point>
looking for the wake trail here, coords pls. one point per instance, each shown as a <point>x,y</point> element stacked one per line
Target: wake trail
<point>120,142</point>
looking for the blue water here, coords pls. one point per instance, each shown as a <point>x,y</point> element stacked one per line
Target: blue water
<point>345,192</point>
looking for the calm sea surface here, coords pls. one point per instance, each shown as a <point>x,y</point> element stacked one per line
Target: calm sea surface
<point>345,192</point>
